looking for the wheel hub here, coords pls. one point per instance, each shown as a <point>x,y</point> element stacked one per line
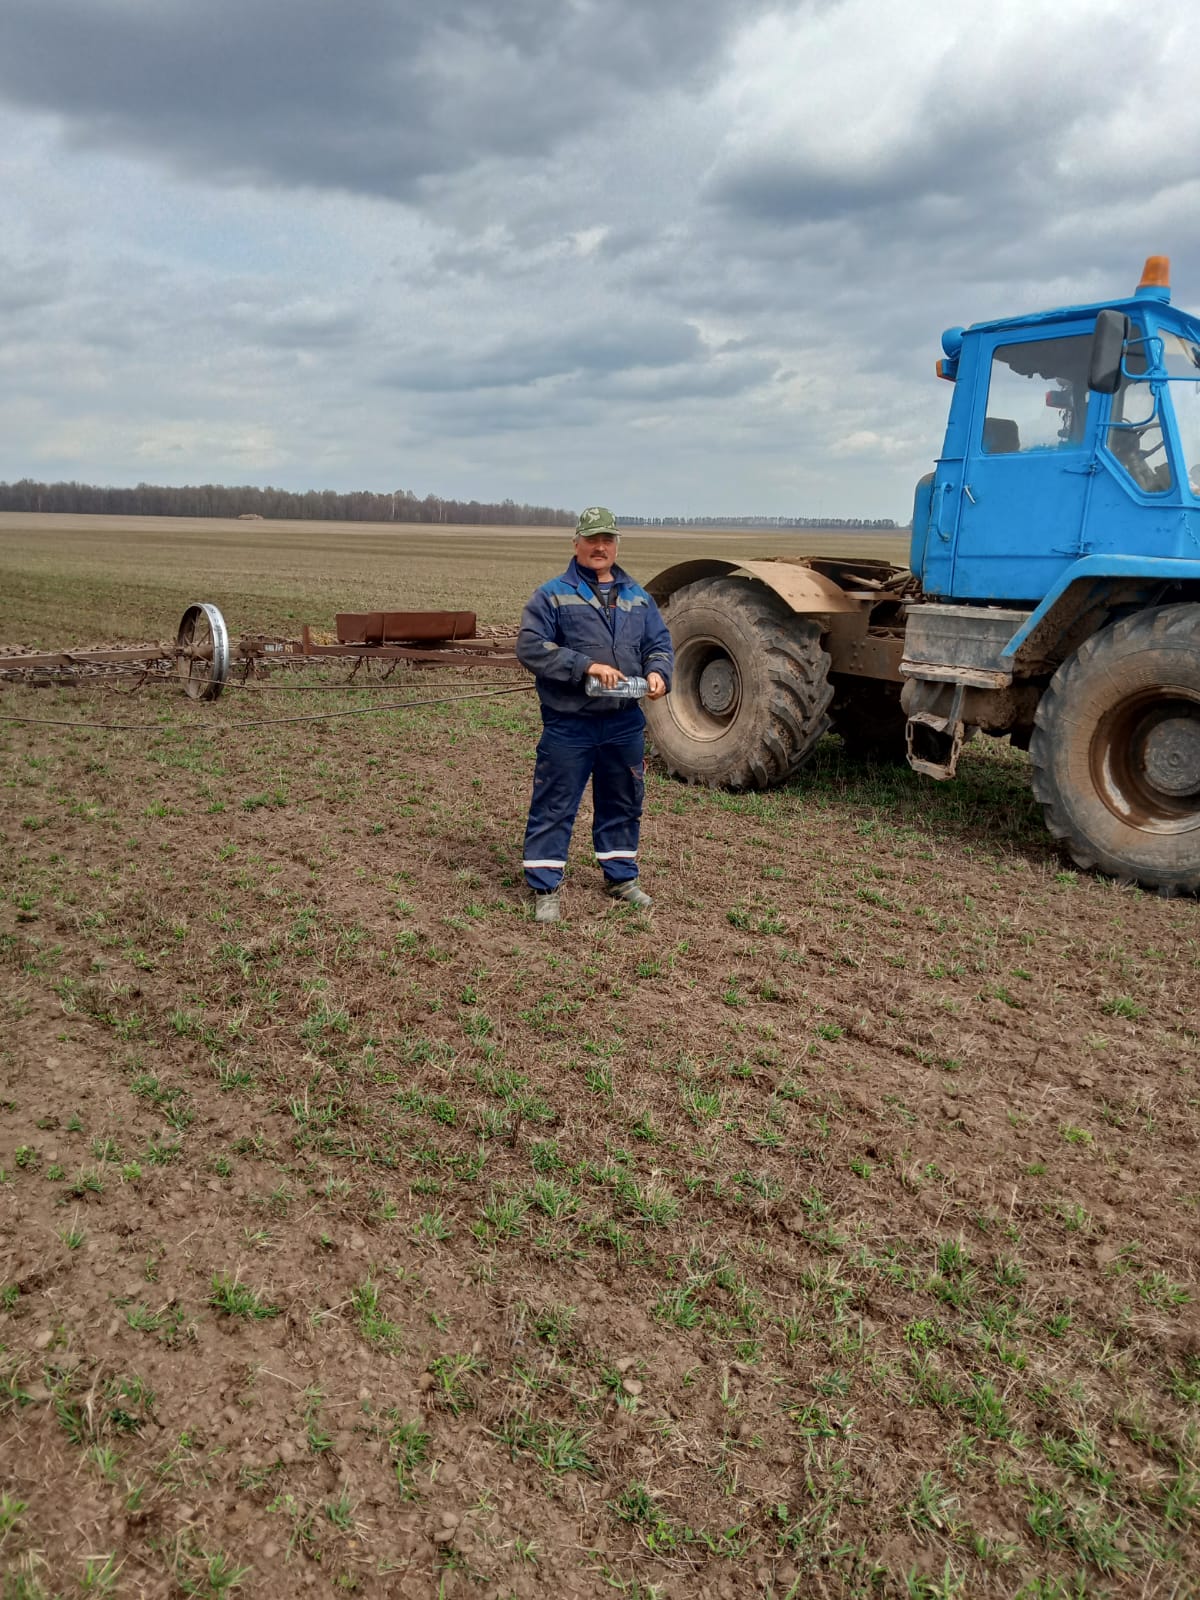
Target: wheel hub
<point>718,687</point>
<point>1171,756</point>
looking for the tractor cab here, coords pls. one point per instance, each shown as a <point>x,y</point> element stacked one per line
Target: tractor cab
<point>1072,433</point>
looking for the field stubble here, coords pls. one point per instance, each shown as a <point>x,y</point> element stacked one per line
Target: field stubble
<point>833,1234</point>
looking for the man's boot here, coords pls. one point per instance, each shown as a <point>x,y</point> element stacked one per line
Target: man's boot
<point>629,893</point>
<point>546,907</point>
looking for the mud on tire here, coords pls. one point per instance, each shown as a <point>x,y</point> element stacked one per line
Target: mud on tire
<point>750,693</point>
<point>1116,750</point>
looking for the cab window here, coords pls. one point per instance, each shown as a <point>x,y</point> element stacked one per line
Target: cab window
<point>1037,396</point>
<point>1135,434</point>
<point>1181,357</point>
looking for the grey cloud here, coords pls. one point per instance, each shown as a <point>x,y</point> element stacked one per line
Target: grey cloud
<point>378,97</point>
<point>580,400</point>
<point>711,380</point>
<point>477,258</point>
<point>30,286</point>
<point>947,170</point>
<point>476,415</point>
<point>310,326</point>
<point>600,347</point>
<point>985,146</point>
<point>630,239</point>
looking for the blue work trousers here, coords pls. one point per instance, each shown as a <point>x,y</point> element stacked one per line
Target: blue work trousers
<point>610,750</point>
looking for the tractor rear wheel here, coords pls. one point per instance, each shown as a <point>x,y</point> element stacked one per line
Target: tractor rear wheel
<point>1116,750</point>
<point>750,693</point>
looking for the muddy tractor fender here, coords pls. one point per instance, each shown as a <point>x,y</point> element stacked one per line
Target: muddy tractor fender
<point>806,592</point>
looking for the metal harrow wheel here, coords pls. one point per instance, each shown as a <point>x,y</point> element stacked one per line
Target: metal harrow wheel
<point>202,651</point>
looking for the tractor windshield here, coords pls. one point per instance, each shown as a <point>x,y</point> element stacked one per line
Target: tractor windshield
<point>1181,358</point>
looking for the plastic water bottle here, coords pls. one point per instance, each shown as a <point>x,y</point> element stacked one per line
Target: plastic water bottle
<point>628,689</point>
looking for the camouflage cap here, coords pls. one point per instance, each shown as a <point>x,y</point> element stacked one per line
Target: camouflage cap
<point>595,520</point>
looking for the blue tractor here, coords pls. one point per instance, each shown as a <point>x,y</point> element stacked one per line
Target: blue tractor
<point>1053,596</point>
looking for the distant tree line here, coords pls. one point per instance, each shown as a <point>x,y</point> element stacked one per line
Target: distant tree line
<point>883,524</point>
<point>317,505</point>
<point>359,505</point>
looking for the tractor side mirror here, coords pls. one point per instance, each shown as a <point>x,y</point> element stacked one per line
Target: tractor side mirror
<point>1108,346</point>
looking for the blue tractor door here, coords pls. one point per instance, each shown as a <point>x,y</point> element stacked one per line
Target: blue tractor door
<point>1029,463</point>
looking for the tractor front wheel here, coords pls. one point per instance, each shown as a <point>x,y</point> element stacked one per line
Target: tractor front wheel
<point>1116,750</point>
<point>750,693</point>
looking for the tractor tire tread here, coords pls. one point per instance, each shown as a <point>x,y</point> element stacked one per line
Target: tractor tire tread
<point>794,691</point>
<point>1056,724</point>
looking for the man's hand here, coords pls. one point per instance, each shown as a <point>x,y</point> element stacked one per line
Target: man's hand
<point>657,686</point>
<point>609,676</point>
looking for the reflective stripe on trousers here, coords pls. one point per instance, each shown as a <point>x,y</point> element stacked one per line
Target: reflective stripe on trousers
<point>610,750</point>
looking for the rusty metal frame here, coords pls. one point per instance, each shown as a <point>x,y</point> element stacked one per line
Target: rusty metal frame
<point>426,639</point>
<point>499,652</point>
<point>404,627</point>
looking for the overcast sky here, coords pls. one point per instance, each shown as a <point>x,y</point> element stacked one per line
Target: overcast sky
<point>671,255</point>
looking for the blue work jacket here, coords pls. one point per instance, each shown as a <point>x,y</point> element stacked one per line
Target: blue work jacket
<point>564,628</point>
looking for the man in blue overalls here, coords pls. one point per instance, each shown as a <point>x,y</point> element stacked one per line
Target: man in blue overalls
<point>593,621</point>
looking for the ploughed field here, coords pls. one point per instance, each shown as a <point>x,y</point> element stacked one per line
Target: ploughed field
<point>833,1233</point>
<point>80,580</point>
